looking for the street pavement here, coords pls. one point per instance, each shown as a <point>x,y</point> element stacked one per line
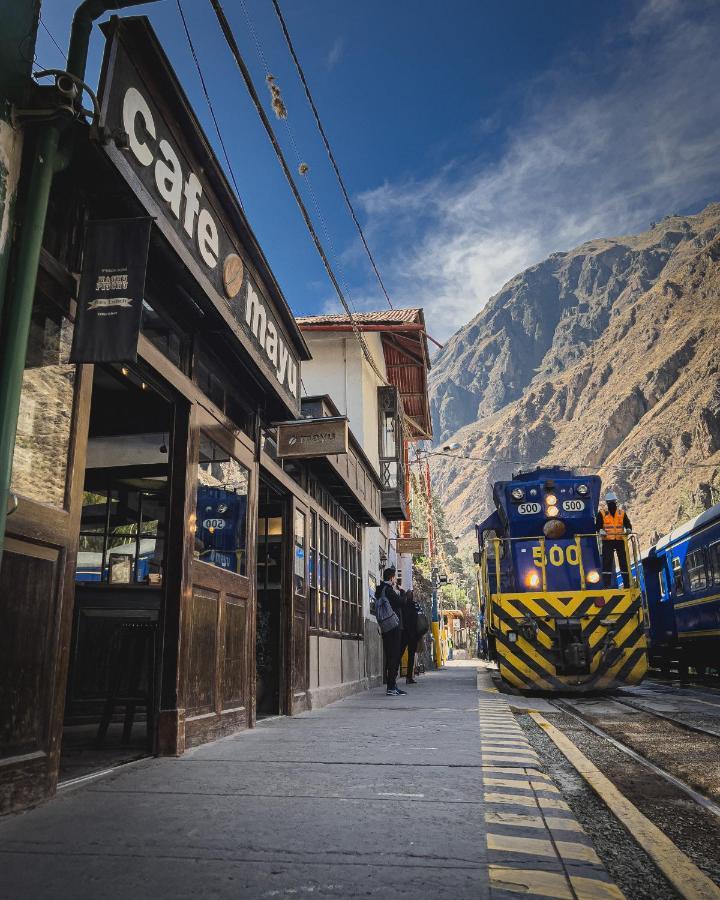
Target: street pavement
<point>373,796</point>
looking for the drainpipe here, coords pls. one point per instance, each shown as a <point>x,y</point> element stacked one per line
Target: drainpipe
<point>47,160</point>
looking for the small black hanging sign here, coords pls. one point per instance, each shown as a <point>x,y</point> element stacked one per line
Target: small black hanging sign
<point>112,286</point>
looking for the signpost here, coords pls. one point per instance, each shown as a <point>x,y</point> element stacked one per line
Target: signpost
<point>415,545</point>
<point>308,438</point>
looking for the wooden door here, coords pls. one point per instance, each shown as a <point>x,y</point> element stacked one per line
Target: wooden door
<point>298,608</point>
<point>217,659</point>
<point>38,565</point>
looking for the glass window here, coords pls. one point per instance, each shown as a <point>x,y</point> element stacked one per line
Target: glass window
<point>122,529</point>
<point>713,562</point>
<point>299,552</point>
<point>664,589</point>
<point>222,498</point>
<point>388,442</point>
<point>164,334</point>
<point>46,405</point>
<point>696,570</point>
<point>677,575</point>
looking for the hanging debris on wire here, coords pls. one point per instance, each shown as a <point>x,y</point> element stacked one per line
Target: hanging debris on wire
<point>278,104</point>
<point>303,168</point>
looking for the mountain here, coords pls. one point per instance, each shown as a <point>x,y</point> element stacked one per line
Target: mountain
<point>607,357</point>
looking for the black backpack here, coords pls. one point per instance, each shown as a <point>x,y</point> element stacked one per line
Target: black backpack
<point>422,626</point>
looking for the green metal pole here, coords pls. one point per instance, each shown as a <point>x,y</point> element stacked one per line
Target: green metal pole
<point>18,313</point>
<point>31,218</point>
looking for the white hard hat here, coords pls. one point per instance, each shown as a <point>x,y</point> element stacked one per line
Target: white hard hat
<point>610,496</point>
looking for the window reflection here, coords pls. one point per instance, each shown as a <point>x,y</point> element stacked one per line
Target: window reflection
<point>299,552</point>
<point>221,527</point>
<point>46,405</point>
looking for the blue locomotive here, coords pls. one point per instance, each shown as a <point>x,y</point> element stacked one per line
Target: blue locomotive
<point>551,624</point>
<point>682,583</point>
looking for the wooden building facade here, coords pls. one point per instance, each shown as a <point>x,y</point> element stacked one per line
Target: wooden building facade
<point>164,567</point>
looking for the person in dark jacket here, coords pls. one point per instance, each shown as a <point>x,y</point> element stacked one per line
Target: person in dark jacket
<point>410,635</point>
<point>392,638</point>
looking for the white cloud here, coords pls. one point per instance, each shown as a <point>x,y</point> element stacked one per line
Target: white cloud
<point>334,54</point>
<point>592,156</point>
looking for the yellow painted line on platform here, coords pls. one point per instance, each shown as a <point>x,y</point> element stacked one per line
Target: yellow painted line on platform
<point>529,846</point>
<point>508,783</point>
<point>530,881</point>
<point>592,889</point>
<point>559,824</point>
<point>548,803</point>
<point>514,799</point>
<point>682,873</point>
<point>577,852</point>
<point>506,818</point>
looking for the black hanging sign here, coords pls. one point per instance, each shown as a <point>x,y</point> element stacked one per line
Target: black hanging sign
<point>112,286</point>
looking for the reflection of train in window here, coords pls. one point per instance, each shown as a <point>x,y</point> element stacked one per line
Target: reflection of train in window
<point>220,532</point>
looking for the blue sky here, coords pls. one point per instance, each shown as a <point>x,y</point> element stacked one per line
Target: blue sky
<point>475,137</point>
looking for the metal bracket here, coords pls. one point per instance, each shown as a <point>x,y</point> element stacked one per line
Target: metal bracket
<point>12,502</point>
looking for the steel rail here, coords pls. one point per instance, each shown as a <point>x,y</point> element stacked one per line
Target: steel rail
<point>708,804</point>
<point>698,729</point>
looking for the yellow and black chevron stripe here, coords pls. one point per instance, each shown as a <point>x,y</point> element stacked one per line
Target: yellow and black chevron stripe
<point>616,634</point>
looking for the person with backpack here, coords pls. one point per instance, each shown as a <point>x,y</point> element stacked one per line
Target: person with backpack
<point>388,612</point>
<point>415,625</point>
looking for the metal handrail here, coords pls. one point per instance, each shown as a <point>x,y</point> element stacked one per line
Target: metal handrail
<point>630,541</point>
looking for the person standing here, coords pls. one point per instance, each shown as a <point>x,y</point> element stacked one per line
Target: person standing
<point>390,622</point>
<point>410,635</point>
<point>612,525</point>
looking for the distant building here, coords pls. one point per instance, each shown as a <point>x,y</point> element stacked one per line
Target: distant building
<point>386,402</point>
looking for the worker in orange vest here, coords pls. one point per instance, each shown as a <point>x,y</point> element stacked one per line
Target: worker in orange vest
<point>612,525</point>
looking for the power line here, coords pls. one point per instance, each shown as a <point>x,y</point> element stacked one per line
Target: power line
<point>616,466</point>
<point>328,149</point>
<point>247,78</point>
<point>209,102</point>
<point>52,38</point>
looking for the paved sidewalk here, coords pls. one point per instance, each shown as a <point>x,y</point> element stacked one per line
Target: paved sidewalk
<point>373,796</point>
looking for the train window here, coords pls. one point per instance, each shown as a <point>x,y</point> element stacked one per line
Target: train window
<point>713,562</point>
<point>677,575</point>
<point>664,588</point>
<point>697,575</point>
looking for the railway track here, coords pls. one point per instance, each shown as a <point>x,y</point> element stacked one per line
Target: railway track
<point>699,798</point>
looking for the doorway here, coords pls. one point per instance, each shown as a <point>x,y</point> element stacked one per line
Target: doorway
<point>111,695</point>
<point>270,615</point>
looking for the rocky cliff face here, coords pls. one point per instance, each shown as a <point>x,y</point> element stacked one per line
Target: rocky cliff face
<point>605,357</point>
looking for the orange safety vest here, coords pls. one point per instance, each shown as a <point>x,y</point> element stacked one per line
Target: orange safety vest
<point>614,525</point>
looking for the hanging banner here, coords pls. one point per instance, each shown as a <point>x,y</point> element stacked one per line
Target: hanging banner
<point>112,286</point>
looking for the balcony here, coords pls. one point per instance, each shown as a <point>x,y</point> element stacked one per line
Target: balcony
<point>392,466</point>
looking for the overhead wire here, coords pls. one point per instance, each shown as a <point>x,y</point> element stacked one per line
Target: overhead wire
<point>209,102</point>
<point>301,165</point>
<point>247,78</point>
<point>52,38</point>
<point>328,149</point>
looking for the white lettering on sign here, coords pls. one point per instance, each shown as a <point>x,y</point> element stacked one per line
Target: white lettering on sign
<point>573,505</point>
<point>529,509</point>
<point>183,195</point>
<point>172,186</point>
<point>268,338</point>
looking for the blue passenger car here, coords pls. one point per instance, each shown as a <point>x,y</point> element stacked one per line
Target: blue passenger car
<point>682,577</point>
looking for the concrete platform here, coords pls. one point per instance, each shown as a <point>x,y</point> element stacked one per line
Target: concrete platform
<point>436,794</point>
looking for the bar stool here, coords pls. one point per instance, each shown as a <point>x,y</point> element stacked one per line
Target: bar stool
<point>132,655</point>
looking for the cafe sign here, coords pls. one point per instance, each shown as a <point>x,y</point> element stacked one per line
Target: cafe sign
<point>308,438</point>
<point>170,166</point>
<point>414,546</point>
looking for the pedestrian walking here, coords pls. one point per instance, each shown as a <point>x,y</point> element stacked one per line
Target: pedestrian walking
<point>415,626</point>
<point>388,611</point>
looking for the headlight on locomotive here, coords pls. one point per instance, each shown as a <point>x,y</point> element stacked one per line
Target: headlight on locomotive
<point>517,493</point>
<point>582,489</point>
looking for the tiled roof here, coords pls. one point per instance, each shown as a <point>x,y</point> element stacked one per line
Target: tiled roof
<point>378,317</point>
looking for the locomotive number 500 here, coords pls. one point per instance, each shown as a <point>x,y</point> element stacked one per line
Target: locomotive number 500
<point>557,556</point>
